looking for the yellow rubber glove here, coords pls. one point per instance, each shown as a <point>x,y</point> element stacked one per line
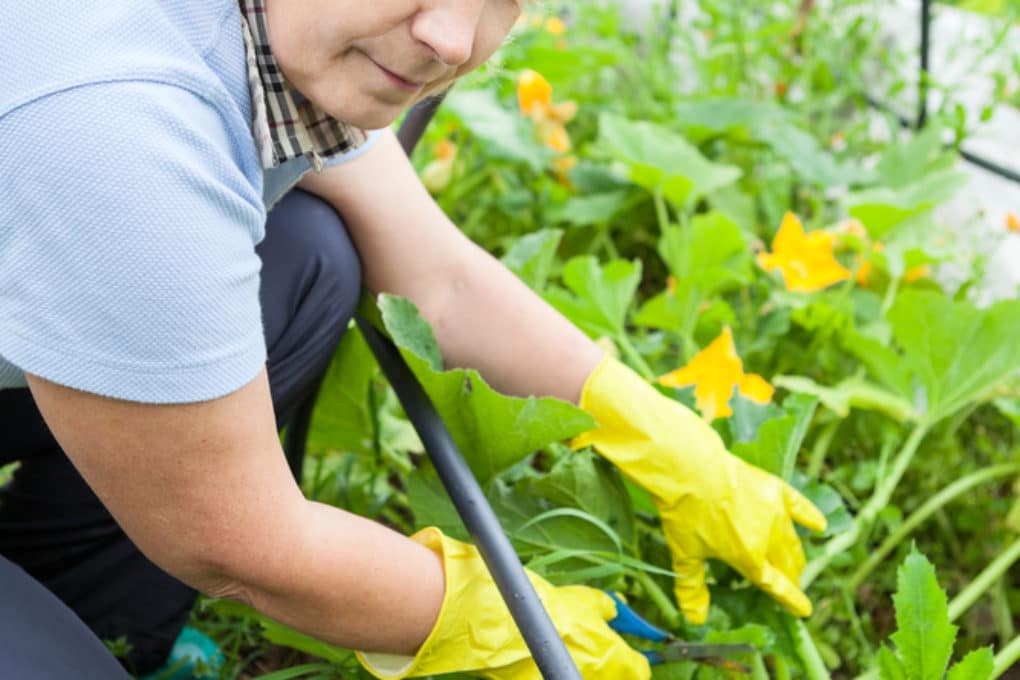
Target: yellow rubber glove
<point>712,504</point>
<point>475,633</point>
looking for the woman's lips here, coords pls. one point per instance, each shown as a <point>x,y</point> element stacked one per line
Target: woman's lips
<point>398,81</point>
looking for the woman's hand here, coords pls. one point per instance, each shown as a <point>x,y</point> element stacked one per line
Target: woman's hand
<point>475,633</point>
<point>713,505</point>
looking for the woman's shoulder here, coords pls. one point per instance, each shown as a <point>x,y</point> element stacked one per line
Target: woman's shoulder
<point>51,46</point>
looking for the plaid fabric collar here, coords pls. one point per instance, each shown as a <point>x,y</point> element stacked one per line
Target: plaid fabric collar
<point>286,125</point>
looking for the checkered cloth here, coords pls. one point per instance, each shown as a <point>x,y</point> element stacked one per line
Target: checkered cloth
<point>286,125</point>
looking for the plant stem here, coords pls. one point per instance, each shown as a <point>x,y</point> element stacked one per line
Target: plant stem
<point>781,667</point>
<point>1001,611</point>
<point>639,362</point>
<point>879,499</point>
<point>661,213</point>
<point>758,671</point>
<point>855,623</point>
<point>1006,657</point>
<point>808,653</point>
<point>985,580</point>
<point>821,449</point>
<point>942,498</point>
<point>890,295</point>
<point>661,600</point>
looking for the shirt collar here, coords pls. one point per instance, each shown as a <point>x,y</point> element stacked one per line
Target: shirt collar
<point>285,124</point>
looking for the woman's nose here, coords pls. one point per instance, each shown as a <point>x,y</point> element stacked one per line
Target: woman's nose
<point>449,27</point>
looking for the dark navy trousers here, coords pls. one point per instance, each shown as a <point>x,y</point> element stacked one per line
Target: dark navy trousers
<point>62,552</point>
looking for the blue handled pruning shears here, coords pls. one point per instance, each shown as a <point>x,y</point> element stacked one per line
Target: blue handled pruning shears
<point>628,621</point>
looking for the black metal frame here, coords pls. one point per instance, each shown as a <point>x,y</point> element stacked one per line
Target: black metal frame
<point>923,81</point>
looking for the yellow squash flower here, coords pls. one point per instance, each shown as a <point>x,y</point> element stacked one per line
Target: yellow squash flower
<point>921,271</point>
<point>863,275</point>
<point>534,95</point>
<point>805,260</point>
<point>714,372</point>
<point>555,26</point>
<point>1013,222</point>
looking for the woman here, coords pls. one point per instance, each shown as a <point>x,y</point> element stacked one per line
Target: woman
<point>157,325</point>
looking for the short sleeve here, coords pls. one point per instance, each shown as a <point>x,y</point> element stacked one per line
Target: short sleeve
<point>284,177</point>
<point>129,216</point>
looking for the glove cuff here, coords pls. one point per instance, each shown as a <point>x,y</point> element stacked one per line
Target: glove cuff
<point>453,643</point>
<point>648,436</point>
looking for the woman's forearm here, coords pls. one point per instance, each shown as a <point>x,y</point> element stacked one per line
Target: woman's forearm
<point>489,320</point>
<point>343,579</point>
<point>483,316</point>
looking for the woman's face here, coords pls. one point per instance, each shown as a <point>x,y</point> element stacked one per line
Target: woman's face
<point>365,62</point>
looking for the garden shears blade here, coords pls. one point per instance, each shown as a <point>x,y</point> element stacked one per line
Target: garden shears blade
<point>713,654</point>
<point>702,652</point>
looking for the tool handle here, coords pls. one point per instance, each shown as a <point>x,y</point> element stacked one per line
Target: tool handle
<point>630,622</point>
<point>526,608</point>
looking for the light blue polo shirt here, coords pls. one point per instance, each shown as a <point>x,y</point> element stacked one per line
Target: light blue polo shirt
<point>131,199</point>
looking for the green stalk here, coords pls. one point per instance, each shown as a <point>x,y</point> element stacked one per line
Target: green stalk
<point>758,671</point>
<point>808,653</point>
<point>639,362</point>
<point>879,499</point>
<point>942,498</point>
<point>821,449</point>
<point>781,668</point>
<point>855,623</point>
<point>660,599</point>
<point>661,213</point>
<point>985,580</point>
<point>890,295</point>
<point>1001,612</point>
<point>1006,657</point>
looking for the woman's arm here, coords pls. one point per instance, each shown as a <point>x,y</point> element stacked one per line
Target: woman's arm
<point>204,490</point>
<point>484,316</point>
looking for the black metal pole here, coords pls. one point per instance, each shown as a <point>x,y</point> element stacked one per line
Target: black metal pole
<point>537,629</point>
<point>923,72</point>
<point>416,120</point>
<point>544,642</point>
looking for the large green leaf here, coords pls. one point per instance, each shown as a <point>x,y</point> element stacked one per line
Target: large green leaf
<point>882,362</point>
<point>432,505</point>
<point>924,639</point>
<point>493,431</point>
<point>504,134</point>
<point>746,121</point>
<point>705,258</point>
<point>343,419</point>
<point>579,506</point>
<point>904,163</point>
<point>778,440</point>
<point>709,254</point>
<point>828,501</point>
<point>736,117</point>
<point>889,665</point>
<point>803,153</point>
<point>598,297</point>
<point>589,483</point>
<point>978,665</point>
<point>957,351</point>
<point>590,209</point>
<point>660,160</point>
<point>884,208</point>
